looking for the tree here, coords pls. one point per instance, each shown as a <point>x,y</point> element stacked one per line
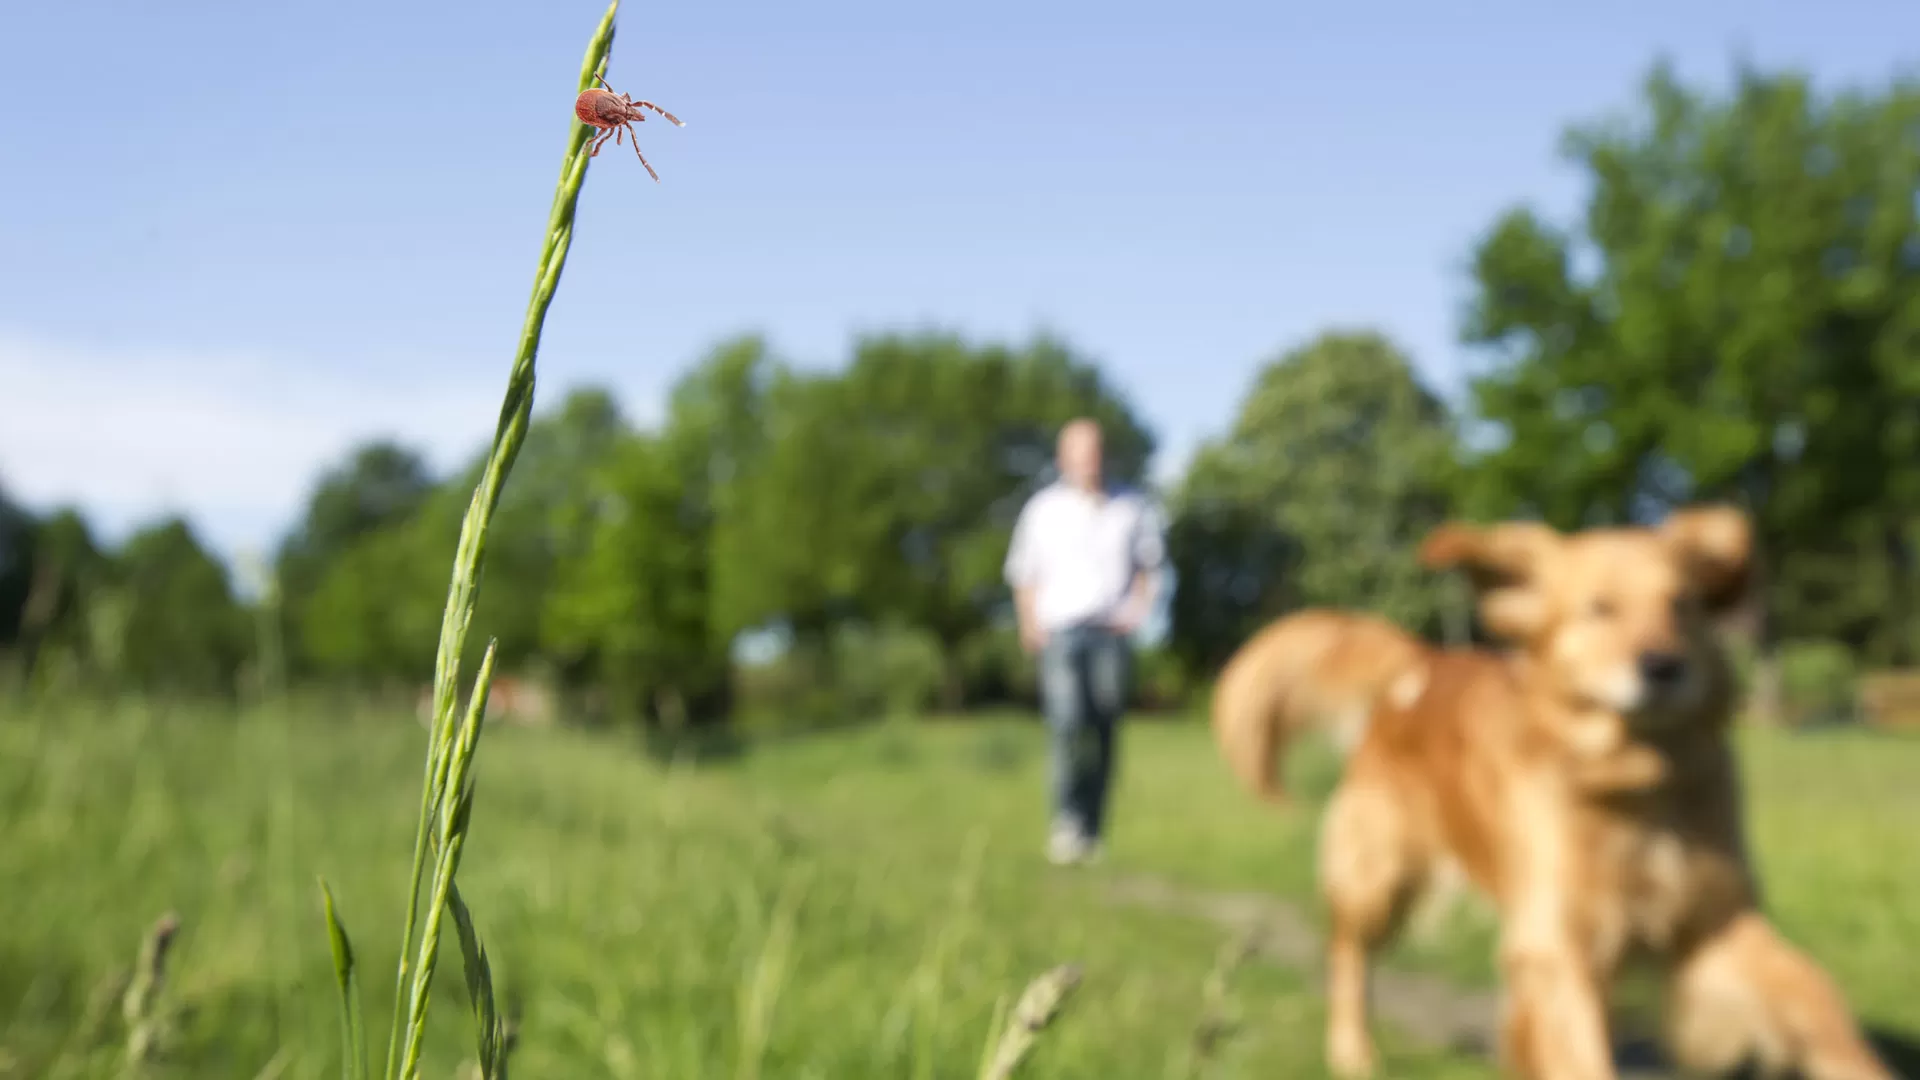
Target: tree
<point>68,571</point>
<point>630,611</point>
<point>716,422</point>
<point>1736,316</point>
<point>1236,570</point>
<point>634,610</point>
<point>380,486</point>
<point>51,572</point>
<point>183,631</point>
<point>374,616</point>
<point>717,435</point>
<point>790,528</point>
<point>16,567</point>
<point>1333,471</point>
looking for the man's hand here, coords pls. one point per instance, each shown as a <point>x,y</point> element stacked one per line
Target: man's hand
<point>1128,618</point>
<point>1032,637</point>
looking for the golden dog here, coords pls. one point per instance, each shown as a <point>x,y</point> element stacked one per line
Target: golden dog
<point>1485,763</point>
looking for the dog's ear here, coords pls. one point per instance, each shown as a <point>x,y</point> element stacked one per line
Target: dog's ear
<point>1715,544</point>
<point>1497,555</point>
<point>1502,562</point>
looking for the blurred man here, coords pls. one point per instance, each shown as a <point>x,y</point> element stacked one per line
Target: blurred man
<point>1084,565</point>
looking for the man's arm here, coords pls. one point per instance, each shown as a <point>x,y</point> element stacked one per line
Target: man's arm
<point>1022,571</point>
<point>1024,617</point>
<point>1149,566</point>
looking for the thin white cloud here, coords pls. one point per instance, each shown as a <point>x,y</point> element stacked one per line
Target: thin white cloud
<point>231,440</point>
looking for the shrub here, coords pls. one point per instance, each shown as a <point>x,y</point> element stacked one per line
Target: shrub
<point>1817,681</point>
<point>997,670</point>
<point>1161,682</point>
<point>887,671</point>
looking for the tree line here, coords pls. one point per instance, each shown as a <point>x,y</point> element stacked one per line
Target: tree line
<point>1734,315</point>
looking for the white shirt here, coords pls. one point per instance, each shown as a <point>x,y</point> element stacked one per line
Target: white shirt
<point>1079,552</point>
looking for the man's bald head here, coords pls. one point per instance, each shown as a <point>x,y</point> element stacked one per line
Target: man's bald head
<point>1078,453</point>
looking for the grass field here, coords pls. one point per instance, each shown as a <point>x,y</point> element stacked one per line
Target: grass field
<point>848,905</point>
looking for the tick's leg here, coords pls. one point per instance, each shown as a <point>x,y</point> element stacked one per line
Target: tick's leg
<point>661,111</point>
<point>643,161</point>
<point>596,143</point>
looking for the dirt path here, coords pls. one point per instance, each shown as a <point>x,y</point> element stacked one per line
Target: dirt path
<point>1430,1010</point>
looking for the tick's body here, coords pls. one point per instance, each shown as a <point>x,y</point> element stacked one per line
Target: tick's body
<point>614,114</point>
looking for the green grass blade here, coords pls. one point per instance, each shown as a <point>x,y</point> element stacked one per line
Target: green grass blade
<point>479,972</point>
<point>760,992</point>
<point>453,815</point>
<point>516,412</point>
<point>353,1036</point>
<point>430,794</point>
<point>992,1045</point>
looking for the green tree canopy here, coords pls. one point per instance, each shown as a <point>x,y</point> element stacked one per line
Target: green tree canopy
<point>1736,315</point>
<point>16,566</point>
<point>717,435</point>
<point>379,486</point>
<point>183,631</point>
<point>630,611</point>
<point>374,616</point>
<point>1235,570</point>
<point>69,571</point>
<point>1333,470</point>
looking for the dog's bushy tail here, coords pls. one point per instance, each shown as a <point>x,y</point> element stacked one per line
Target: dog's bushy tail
<point>1313,668</point>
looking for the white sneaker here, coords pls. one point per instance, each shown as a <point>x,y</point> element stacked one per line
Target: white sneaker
<point>1067,845</point>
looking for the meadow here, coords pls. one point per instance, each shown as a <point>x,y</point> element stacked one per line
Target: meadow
<point>870,901</point>
<point>862,903</point>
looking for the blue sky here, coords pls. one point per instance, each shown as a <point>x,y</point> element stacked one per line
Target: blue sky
<point>239,237</point>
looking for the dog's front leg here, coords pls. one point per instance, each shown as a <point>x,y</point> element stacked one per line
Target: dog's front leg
<point>1555,1024</point>
<point>1555,1027</point>
<point>1745,996</point>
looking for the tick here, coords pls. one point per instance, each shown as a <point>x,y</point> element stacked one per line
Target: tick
<point>615,114</point>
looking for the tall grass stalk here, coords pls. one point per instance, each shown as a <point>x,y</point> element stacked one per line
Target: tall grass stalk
<point>1037,1007</point>
<point>141,1005</point>
<point>761,990</point>
<point>932,973</point>
<point>1217,1019</point>
<point>446,797</point>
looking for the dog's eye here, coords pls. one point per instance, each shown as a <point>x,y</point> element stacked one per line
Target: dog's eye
<point>1601,608</point>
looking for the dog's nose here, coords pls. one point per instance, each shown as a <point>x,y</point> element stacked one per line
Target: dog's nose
<point>1662,669</point>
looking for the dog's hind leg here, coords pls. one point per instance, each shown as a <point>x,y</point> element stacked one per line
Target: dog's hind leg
<point>1444,892</point>
<point>1746,997</point>
<point>1369,875</point>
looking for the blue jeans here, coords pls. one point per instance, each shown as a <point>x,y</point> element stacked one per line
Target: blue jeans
<point>1085,674</point>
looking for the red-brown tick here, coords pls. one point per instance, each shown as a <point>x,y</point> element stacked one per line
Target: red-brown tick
<point>614,114</point>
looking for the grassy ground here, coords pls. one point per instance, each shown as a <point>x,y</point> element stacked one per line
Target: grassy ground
<point>851,905</point>
<point>1833,817</point>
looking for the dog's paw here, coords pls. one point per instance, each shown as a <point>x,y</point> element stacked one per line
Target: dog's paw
<point>1350,1057</point>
